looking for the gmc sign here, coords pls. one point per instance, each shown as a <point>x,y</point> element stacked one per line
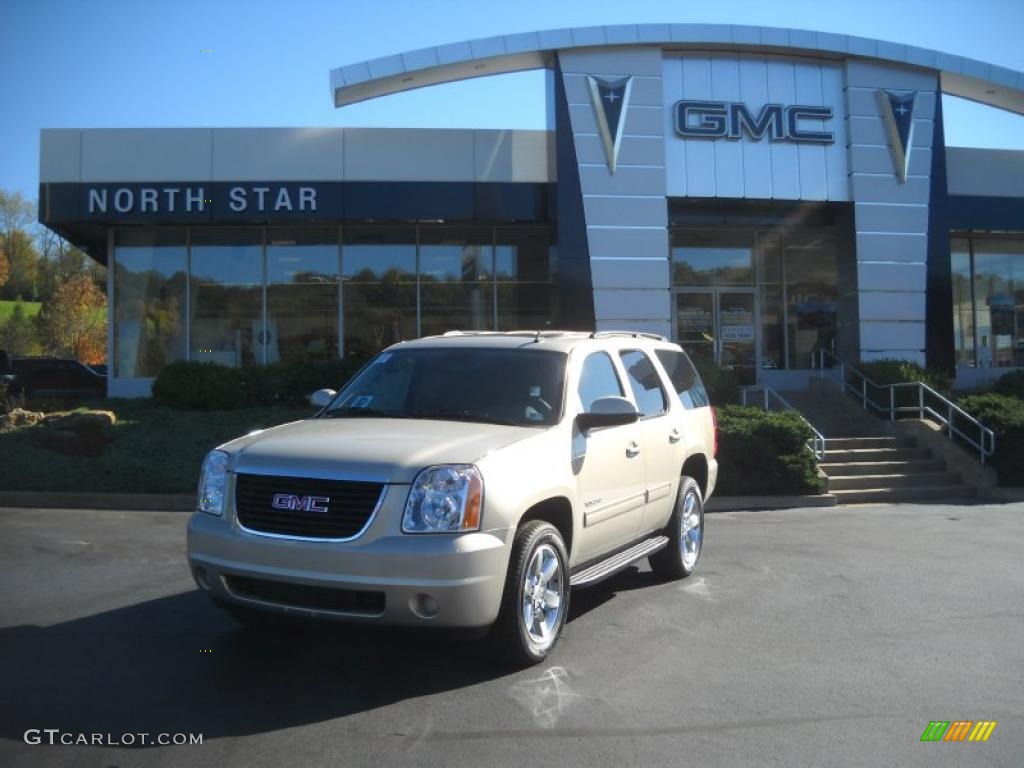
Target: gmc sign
<point>730,120</point>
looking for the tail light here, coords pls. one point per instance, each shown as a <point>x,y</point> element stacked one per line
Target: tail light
<point>714,431</point>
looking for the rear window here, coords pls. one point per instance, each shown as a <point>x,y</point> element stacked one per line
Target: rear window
<point>684,378</point>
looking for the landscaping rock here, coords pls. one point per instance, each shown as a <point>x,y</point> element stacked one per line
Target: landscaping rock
<point>19,417</point>
<point>76,433</point>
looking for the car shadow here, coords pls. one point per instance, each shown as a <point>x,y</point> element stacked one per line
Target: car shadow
<point>177,664</point>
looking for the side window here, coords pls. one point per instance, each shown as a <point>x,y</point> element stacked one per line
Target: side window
<point>684,378</point>
<point>598,379</point>
<point>643,380</point>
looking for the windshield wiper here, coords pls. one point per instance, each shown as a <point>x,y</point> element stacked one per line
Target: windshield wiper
<point>444,415</point>
<point>376,413</point>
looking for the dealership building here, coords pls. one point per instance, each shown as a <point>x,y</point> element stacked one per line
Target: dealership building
<point>757,194</point>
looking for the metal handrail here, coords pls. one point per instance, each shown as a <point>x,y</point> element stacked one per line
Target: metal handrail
<point>985,445</point>
<point>812,445</point>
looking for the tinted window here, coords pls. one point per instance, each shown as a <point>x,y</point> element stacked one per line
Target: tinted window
<point>684,378</point>
<point>643,380</point>
<point>503,386</point>
<point>598,379</point>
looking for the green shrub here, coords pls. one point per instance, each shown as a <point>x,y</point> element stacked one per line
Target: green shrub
<point>1011,384</point>
<point>1004,415</point>
<point>722,385</point>
<point>209,386</point>
<point>763,452</point>
<point>891,371</point>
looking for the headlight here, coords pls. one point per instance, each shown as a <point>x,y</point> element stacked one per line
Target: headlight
<point>444,499</point>
<point>213,483</point>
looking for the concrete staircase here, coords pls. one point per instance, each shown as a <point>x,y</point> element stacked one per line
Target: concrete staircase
<point>866,461</point>
<point>881,469</point>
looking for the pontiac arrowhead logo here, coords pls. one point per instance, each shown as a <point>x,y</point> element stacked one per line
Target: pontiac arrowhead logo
<point>610,98</point>
<point>898,114</point>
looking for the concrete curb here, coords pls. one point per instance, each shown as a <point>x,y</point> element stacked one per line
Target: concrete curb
<point>738,503</point>
<point>147,502</point>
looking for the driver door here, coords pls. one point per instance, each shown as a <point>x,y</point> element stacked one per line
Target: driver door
<point>609,468</point>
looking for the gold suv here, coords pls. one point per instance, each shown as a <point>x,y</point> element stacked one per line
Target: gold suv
<point>465,480</point>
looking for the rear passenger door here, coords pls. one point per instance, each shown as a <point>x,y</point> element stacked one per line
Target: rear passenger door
<point>660,435</point>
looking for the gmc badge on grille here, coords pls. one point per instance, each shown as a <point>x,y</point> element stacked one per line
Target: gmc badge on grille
<point>301,503</point>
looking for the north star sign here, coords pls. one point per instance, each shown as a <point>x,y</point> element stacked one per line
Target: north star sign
<point>731,120</point>
<point>164,198</point>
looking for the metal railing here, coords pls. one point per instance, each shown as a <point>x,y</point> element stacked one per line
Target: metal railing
<point>818,445</point>
<point>923,402</point>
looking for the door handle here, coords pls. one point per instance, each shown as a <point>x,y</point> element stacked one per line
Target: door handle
<point>675,436</point>
<point>632,449</point>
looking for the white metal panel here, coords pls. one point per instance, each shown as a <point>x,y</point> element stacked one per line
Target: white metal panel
<point>700,153</point>
<point>749,167</point>
<point>60,155</point>
<point>725,84</point>
<point>675,150</point>
<point>757,158</point>
<point>785,156</point>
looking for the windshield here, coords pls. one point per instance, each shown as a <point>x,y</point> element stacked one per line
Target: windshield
<point>499,386</point>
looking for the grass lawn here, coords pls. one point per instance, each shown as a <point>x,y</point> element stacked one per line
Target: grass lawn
<point>155,449</point>
<point>7,307</point>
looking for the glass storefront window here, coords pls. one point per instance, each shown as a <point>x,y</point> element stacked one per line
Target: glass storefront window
<point>379,287</point>
<point>998,294</point>
<point>227,296</point>
<point>963,304</point>
<point>712,258</point>
<point>150,276</point>
<point>456,280</point>
<point>302,294</point>
<point>524,270</point>
<point>812,293</point>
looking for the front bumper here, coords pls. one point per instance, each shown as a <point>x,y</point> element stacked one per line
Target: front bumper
<point>443,580</point>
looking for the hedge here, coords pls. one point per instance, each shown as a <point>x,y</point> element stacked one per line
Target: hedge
<point>213,387</point>
<point>1004,415</point>
<point>1011,384</point>
<point>763,452</point>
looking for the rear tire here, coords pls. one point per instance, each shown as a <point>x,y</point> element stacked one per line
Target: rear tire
<point>685,531</point>
<point>535,601</point>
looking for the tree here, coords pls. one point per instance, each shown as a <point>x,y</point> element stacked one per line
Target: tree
<point>18,334</point>
<point>74,323</point>
<point>17,217</point>
<point>5,268</point>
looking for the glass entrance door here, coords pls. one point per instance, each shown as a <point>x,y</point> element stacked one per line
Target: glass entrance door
<point>720,325</point>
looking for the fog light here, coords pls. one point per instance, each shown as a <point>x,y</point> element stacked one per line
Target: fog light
<point>199,574</point>
<point>424,606</point>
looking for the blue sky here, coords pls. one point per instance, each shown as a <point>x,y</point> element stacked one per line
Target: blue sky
<point>119,63</point>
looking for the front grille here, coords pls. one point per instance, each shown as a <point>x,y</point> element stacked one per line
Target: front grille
<point>305,596</point>
<point>349,509</point>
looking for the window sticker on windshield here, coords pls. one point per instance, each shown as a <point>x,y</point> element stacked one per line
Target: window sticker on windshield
<point>383,358</point>
<point>534,391</point>
<point>363,401</point>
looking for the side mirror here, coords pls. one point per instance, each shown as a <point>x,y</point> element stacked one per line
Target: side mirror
<point>322,398</point>
<point>607,412</point>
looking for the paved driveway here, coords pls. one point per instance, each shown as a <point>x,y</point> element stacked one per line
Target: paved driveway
<point>809,637</point>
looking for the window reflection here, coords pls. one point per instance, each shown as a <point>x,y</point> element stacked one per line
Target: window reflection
<point>999,301</point>
<point>150,273</point>
<point>302,294</point>
<point>379,288</point>
<point>524,270</point>
<point>227,288</point>
<point>712,258</point>
<point>963,305</point>
<point>811,296</point>
<point>456,281</point>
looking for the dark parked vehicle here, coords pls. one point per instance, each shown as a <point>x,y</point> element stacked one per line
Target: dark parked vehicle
<point>58,378</point>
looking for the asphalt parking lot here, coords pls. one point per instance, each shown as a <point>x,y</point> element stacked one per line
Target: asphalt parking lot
<point>809,637</point>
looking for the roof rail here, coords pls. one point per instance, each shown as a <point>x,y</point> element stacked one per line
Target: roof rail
<point>633,334</point>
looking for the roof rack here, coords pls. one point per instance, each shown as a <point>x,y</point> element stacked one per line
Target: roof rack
<point>632,334</point>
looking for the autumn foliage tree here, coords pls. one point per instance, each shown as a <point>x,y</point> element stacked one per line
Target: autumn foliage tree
<point>74,323</point>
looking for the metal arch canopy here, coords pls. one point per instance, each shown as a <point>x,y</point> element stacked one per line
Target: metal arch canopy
<point>966,78</point>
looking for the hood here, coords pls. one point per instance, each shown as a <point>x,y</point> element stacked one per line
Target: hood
<point>384,450</point>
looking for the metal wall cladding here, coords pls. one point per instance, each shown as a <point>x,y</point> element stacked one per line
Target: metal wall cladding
<point>746,167</point>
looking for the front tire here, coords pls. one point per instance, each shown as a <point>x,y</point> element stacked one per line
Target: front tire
<point>535,601</point>
<point>685,531</point>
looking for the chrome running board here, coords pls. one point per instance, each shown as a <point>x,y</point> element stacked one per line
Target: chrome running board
<point>620,560</point>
